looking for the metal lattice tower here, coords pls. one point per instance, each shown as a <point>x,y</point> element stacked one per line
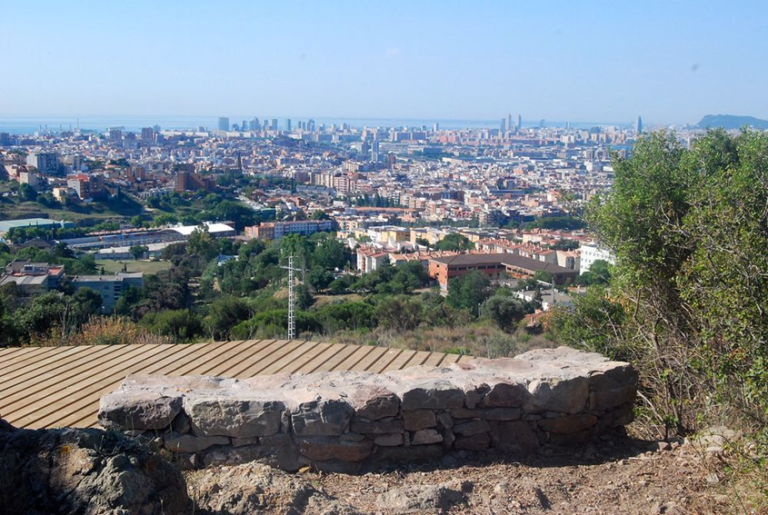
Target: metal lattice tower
<point>291,299</point>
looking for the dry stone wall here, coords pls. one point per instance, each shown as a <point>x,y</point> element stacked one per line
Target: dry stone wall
<point>338,421</point>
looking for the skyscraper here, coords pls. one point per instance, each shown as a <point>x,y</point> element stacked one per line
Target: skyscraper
<point>503,125</point>
<point>288,125</point>
<point>509,121</point>
<point>273,124</point>
<point>223,123</point>
<point>519,122</point>
<point>639,125</point>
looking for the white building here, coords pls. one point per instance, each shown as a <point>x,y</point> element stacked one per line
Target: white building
<point>592,252</point>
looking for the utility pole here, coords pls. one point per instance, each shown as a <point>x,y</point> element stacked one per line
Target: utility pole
<point>291,298</point>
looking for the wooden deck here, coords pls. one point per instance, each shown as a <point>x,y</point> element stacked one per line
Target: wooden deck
<point>61,386</point>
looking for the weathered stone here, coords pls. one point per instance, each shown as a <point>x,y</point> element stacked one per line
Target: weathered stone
<point>448,437</point>
<point>517,436</point>
<point>607,399</point>
<point>327,449</point>
<point>181,424</point>
<point>187,461</point>
<point>219,456</point>
<point>247,440</point>
<point>175,442</point>
<point>378,427</point>
<point>432,394</point>
<point>321,417</point>
<point>426,437</point>
<point>419,419</point>
<point>375,402</point>
<point>138,410</point>
<point>477,442</point>
<point>569,424</point>
<point>471,427</point>
<point>280,451</point>
<point>423,499</point>
<point>570,438</point>
<point>237,417</point>
<point>351,437</point>
<point>488,413</point>
<point>505,395</point>
<point>390,440</point>
<point>566,395</point>
<point>445,420</point>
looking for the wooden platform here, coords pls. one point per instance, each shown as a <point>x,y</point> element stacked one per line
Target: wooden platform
<point>61,386</point>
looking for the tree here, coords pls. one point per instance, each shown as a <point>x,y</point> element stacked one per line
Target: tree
<point>398,313</point>
<point>138,251</point>
<point>505,311</point>
<point>201,243</point>
<point>468,291</point>
<point>455,242</point>
<point>27,192</point>
<point>320,215</point>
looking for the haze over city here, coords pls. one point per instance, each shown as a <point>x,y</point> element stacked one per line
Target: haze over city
<point>561,61</point>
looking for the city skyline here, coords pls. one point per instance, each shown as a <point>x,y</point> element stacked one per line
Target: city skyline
<point>672,64</point>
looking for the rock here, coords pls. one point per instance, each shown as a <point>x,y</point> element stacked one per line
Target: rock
<point>175,442</point>
<point>566,395</point>
<point>390,440</point>
<point>378,427</point>
<point>85,471</point>
<point>419,419</point>
<point>426,437</point>
<point>516,436</point>
<point>477,442</point>
<point>472,427</point>
<point>423,499</point>
<point>375,402</point>
<point>569,424</point>
<point>570,438</point>
<point>327,449</point>
<point>246,440</point>
<point>138,410</point>
<point>445,420</point>
<point>232,455</point>
<point>181,424</point>
<point>237,417</point>
<point>432,394</point>
<point>321,417</point>
<point>488,413</point>
<point>505,395</point>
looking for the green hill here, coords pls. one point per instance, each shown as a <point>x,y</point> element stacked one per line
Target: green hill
<point>730,121</point>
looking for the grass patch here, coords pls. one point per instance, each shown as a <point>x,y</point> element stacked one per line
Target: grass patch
<point>112,266</point>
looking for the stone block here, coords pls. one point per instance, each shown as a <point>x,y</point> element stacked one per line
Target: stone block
<point>567,395</point>
<point>514,436</point>
<point>419,419</point>
<point>175,442</point>
<point>445,420</point>
<point>246,440</point>
<point>471,427</point>
<point>488,413</point>
<point>375,402</point>
<point>433,394</point>
<point>477,442</point>
<point>139,410</point>
<point>378,427</point>
<point>233,416</point>
<point>426,437</point>
<point>181,424</point>
<point>321,417</point>
<point>219,456</point>
<point>569,424</point>
<point>390,440</point>
<point>321,448</point>
<point>505,395</point>
<point>605,399</point>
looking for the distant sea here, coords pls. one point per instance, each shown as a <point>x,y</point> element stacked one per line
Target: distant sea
<point>30,125</point>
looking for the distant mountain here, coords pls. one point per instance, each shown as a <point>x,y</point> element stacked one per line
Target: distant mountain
<point>730,121</point>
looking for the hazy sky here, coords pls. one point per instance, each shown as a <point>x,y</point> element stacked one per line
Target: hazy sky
<point>669,61</point>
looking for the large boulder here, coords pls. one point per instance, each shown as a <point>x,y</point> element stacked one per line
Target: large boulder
<point>85,471</point>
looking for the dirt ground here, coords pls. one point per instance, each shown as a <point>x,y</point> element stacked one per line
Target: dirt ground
<point>616,475</point>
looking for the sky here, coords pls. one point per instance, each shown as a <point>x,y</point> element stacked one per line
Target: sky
<point>609,61</point>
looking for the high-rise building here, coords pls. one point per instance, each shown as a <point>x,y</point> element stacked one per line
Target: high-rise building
<point>288,125</point>
<point>147,134</point>
<point>255,125</point>
<point>436,127</point>
<point>273,124</point>
<point>503,125</point>
<point>375,151</point>
<point>223,123</point>
<point>244,125</point>
<point>639,125</point>
<point>519,122</point>
<point>509,122</point>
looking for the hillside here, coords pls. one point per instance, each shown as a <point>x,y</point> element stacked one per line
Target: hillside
<point>729,121</point>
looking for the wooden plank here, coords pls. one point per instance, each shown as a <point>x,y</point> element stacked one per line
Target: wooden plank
<point>18,354</point>
<point>283,348</point>
<point>465,358</point>
<point>417,359</point>
<point>374,354</point>
<point>434,359</point>
<point>302,361</point>
<point>253,364</point>
<point>360,353</point>
<point>338,358</point>
<point>70,399</point>
<point>450,358</point>
<point>246,356</point>
<point>65,359</point>
<point>287,359</point>
<point>328,354</point>
<point>204,353</point>
<point>400,361</point>
<point>213,366</point>
<point>387,358</point>
<point>24,359</point>
<point>51,381</point>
